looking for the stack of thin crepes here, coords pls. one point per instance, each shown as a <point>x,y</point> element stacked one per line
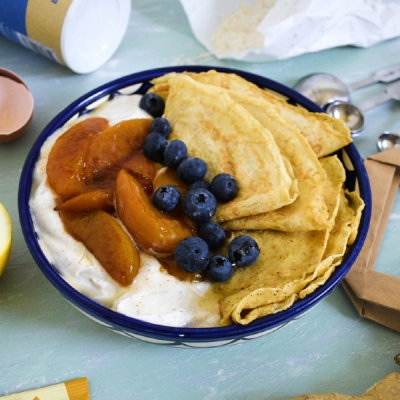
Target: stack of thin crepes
<point>291,198</point>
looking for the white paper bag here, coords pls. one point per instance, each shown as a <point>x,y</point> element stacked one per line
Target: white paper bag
<point>290,27</point>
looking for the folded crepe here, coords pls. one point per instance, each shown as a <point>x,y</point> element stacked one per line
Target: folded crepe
<point>308,211</point>
<point>324,133</point>
<point>291,264</point>
<point>219,117</point>
<point>230,140</point>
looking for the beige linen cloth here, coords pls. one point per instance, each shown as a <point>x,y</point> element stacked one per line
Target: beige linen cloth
<point>386,389</point>
<point>376,295</point>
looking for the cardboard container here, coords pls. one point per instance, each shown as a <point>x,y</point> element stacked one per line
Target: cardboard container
<point>376,295</point>
<point>80,34</point>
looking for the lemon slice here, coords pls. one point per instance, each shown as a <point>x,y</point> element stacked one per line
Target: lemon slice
<point>5,238</point>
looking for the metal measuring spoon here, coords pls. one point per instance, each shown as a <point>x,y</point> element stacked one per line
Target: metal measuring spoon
<point>353,116</point>
<point>388,140</point>
<point>324,88</point>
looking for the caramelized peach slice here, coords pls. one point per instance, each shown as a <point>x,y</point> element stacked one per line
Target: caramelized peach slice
<point>95,199</point>
<point>66,165</point>
<point>107,240</point>
<point>145,183</point>
<point>138,162</point>
<point>117,142</point>
<point>153,231</point>
<point>167,176</point>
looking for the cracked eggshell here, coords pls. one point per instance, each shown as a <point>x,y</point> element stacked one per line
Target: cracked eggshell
<point>16,106</point>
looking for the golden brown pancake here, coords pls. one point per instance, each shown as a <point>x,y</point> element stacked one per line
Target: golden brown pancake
<point>219,117</point>
<point>309,211</point>
<point>288,263</point>
<point>324,133</point>
<point>230,140</point>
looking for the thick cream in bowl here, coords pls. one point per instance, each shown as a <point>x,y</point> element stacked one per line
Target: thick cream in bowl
<point>155,296</point>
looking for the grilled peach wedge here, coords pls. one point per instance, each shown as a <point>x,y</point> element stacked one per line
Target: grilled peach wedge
<point>90,200</point>
<point>66,166</point>
<point>91,146</point>
<point>117,142</point>
<point>153,231</point>
<point>105,238</point>
<point>167,176</point>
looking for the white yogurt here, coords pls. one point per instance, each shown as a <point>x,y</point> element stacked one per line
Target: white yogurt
<point>154,296</point>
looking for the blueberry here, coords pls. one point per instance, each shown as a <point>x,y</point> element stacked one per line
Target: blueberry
<point>243,251</point>
<point>220,269</point>
<point>200,183</point>
<point>224,187</point>
<point>153,104</point>
<point>166,198</point>
<point>213,234</point>
<point>154,145</point>
<point>192,254</point>
<point>174,153</point>
<point>191,169</point>
<point>199,205</point>
<point>161,125</point>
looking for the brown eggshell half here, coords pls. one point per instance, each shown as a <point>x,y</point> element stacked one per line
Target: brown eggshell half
<point>16,106</point>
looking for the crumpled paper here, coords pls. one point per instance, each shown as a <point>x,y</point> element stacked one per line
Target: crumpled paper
<point>294,27</point>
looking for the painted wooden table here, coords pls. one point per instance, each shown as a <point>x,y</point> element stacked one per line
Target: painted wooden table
<point>44,340</point>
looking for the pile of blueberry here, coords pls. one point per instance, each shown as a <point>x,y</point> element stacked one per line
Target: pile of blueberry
<point>193,254</point>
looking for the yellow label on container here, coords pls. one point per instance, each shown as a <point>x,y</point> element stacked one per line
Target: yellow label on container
<point>44,21</point>
<point>77,389</point>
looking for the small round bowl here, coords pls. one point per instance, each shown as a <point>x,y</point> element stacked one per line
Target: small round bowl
<point>185,337</point>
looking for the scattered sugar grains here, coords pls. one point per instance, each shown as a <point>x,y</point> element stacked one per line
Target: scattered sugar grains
<point>238,30</point>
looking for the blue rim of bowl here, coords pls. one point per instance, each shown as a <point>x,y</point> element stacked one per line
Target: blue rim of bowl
<point>132,325</point>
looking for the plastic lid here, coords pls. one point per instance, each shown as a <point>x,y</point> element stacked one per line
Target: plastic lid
<point>92,31</point>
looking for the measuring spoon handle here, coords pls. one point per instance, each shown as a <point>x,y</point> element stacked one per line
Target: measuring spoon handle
<point>391,92</point>
<point>388,74</point>
<point>374,101</point>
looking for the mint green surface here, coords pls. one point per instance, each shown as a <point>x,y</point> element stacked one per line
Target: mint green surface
<point>44,340</point>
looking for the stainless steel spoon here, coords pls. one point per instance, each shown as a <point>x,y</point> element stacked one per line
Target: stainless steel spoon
<point>324,88</point>
<point>353,115</point>
<point>388,140</point>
